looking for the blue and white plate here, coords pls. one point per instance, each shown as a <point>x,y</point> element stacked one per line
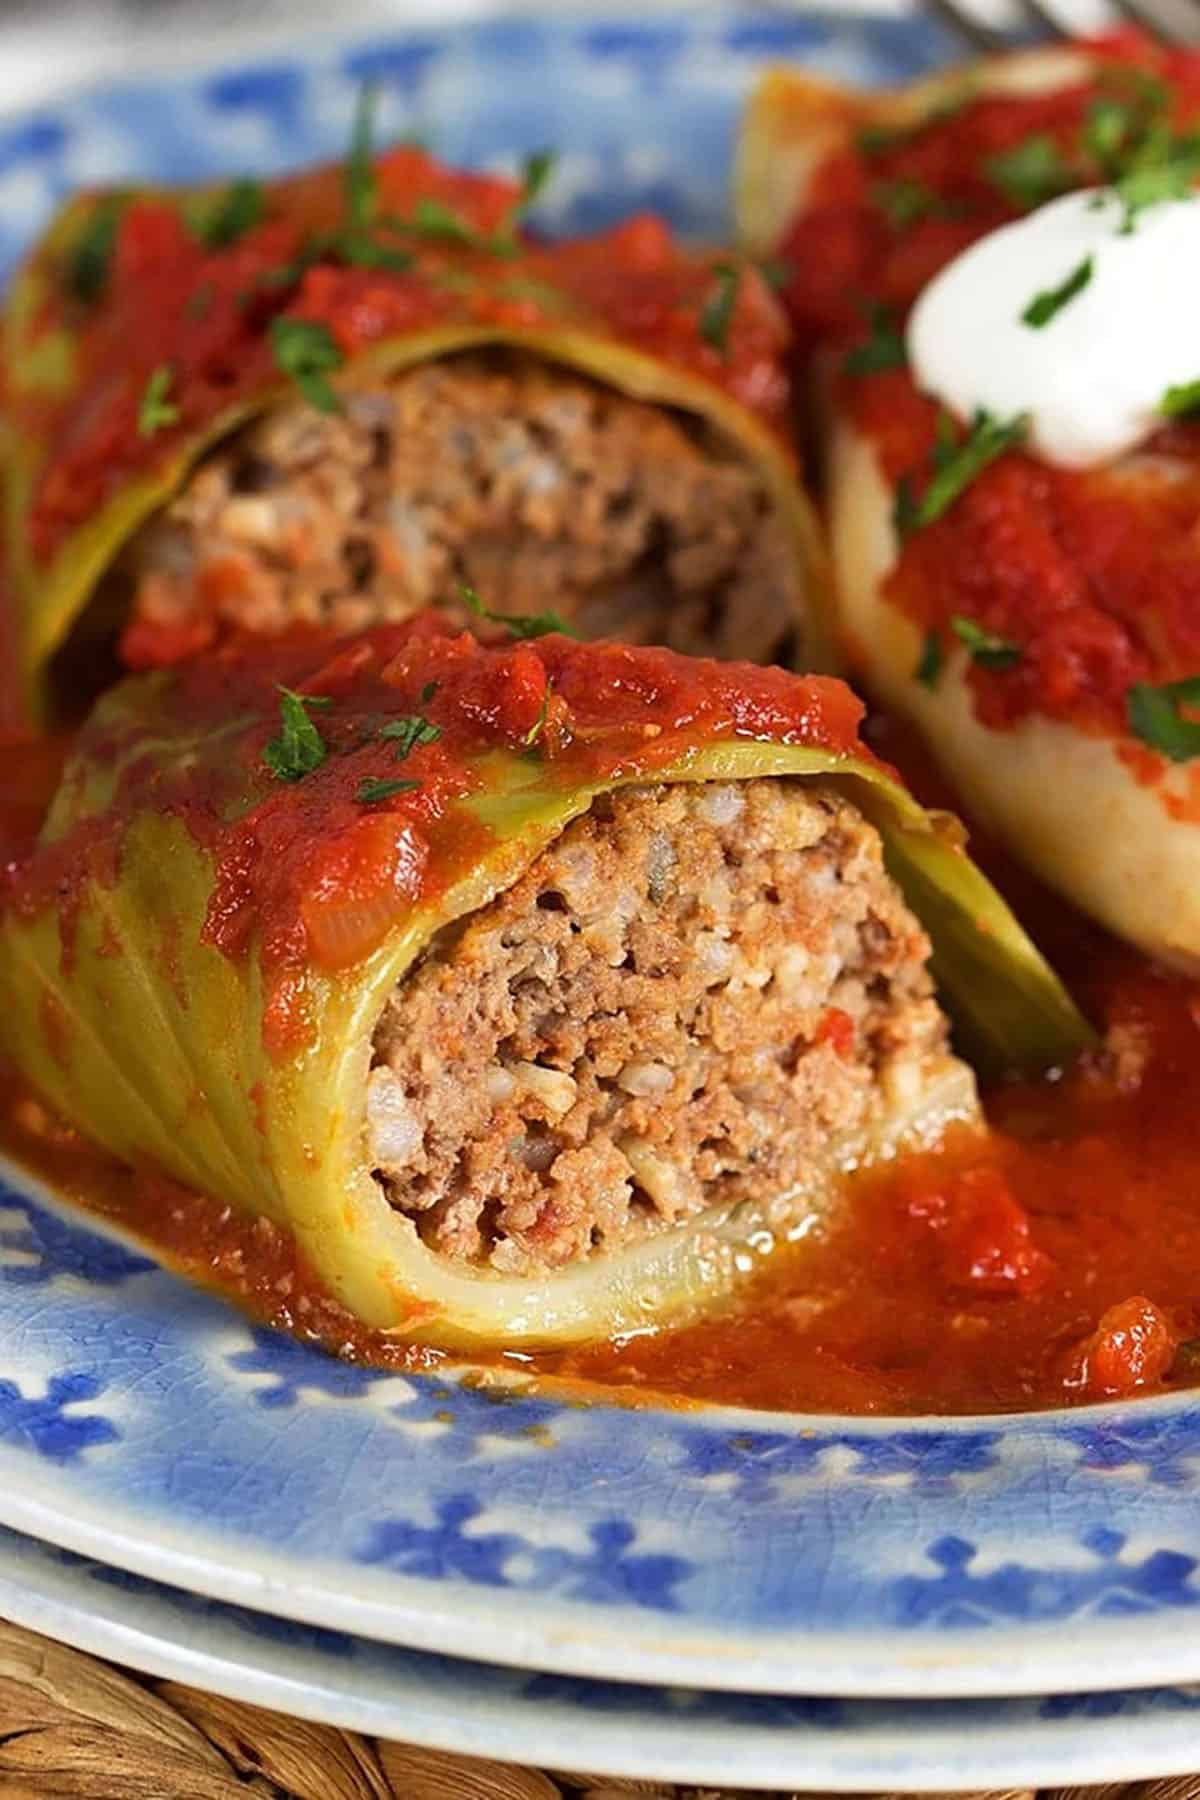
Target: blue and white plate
<point>144,1424</point>
<point>604,1727</point>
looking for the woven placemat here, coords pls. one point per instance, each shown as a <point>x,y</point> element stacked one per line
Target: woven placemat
<point>75,1728</point>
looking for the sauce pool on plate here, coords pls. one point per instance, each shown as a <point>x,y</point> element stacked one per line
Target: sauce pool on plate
<point>1056,1264</point>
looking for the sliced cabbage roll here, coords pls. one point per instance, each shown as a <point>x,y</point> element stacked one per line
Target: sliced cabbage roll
<point>326,400</point>
<point>534,987</point>
<point>1038,623</point>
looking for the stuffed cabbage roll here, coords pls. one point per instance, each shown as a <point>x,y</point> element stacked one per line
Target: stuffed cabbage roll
<point>327,399</point>
<point>1028,598</point>
<point>535,986</point>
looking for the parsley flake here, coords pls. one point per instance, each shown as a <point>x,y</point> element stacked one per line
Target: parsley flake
<point>1031,173</point>
<point>1162,168</point>
<point>199,301</point>
<point>522,625</point>
<point>1106,131</point>
<point>370,792</point>
<point>1050,302</point>
<point>410,733</point>
<point>716,315</point>
<point>90,257</point>
<point>536,171</point>
<point>876,140</point>
<point>155,411</point>
<point>955,466</point>
<point>305,350</point>
<point>1157,716</point>
<point>233,213</point>
<point>988,650</point>
<point>434,219</point>
<point>907,202</point>
<point>428,691</point>
<point>360,173</point>
<point>884,349</point>
<point>299,748</point>
<point>535,730</point>
<point>1179,402</point>
<point>932,656</point>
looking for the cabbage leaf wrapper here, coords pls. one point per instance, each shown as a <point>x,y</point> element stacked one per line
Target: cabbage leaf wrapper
<point>149,326</point>
<point>249,855</point>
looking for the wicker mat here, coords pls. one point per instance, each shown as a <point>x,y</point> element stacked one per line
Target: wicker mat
<point>75,1728</point>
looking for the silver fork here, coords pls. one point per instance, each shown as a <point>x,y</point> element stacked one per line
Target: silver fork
<point>1170,21</point>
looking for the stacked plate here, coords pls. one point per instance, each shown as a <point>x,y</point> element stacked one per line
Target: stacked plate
<point>700,1595</point>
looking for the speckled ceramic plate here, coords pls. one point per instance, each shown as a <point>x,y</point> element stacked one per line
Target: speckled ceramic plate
<point>147,1425</point>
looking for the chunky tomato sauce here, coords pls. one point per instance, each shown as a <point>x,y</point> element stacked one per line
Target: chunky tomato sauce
<point>322,846</point>
<point>175,332</point>
<point>1056,1263</point>
<point>1090,579</point>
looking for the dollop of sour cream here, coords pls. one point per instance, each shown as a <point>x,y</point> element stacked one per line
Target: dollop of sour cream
<point>1093,376</point>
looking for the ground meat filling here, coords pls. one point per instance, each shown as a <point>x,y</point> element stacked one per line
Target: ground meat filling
<point>541,489</point>
<point>685,999</point>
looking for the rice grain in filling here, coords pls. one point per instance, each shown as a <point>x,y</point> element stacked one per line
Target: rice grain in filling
<point>687,998</point>
<point>543,490</point>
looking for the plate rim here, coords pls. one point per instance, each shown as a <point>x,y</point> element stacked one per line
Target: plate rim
<point>719,1751</point>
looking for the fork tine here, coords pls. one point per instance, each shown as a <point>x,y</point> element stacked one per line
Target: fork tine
<point>1047,20</point>
<point>977,34</point>
<point>1171,21</point>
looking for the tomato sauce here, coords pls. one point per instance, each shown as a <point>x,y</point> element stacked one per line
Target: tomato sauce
<point>1055,1262</point>
<point>437,249</point>
<point>317,859</point>
<point>1091,578</point>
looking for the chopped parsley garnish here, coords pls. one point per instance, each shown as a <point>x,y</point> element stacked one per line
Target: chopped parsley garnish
<point>716,315</point>
<point>155,411</point>
<point>305,350</point>
<point>907,202</point>
<point>299,748</point>
<point>775,271</point>
<point>874,140</point>
<point>1163,168</point>
<point>1050,302</point>
<point>434,219</point>
<point>1106,132</point>
<point>954,468</point>
<point>199,301</point>
<point>932,656</point>
<point>535,730</point>
<point>1178,402</point>
<point>988,650</point>
<point>884,349</point>
<point>1128,133</point>
<point>1157,716</point>
<point>410,733</point>
<point>522,625</point>
<point>1031,173</point>
<point>90,256</point>
<point>360,174</point>
<point>428,691</point>
<point>236,211</point>
<point>372,791</point>
<point>536,171</point>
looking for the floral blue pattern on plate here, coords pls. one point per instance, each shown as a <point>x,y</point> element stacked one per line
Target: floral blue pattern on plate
<point>145,1424</point>
<point>606,1727</point>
